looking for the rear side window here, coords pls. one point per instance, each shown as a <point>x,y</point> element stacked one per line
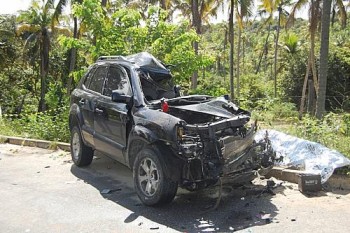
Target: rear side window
<point>98,79</point>
<point>117,79</point>
<point>88,76</point>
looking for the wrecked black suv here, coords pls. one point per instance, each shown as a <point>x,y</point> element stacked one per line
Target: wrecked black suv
<point>129,109</point>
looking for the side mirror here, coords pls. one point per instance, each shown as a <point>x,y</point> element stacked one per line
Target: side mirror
<point>119,97</point>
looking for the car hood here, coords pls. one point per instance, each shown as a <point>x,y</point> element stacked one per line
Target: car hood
<point>217,107</point>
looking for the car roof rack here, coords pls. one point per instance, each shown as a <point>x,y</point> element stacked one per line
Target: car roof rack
<point>102,58</point>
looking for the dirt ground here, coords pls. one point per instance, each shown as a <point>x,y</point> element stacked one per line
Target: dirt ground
<point>42,191</point>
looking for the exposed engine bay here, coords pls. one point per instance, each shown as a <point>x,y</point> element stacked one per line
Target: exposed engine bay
<point>215,138</point>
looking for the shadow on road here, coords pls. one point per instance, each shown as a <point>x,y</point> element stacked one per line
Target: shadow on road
<point>190,211</point>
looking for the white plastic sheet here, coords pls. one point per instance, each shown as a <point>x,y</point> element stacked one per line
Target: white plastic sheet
<point>312,157</point>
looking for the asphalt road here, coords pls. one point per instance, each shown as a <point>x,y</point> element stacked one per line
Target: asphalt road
<point>42,191</point>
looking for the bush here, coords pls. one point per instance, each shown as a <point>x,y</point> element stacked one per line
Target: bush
<point>332,131</point>
<point>269,110</point>
<point>213,85</point>
<point>51,125</point>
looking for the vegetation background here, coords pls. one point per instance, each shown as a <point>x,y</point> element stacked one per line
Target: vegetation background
<point>282,68</point>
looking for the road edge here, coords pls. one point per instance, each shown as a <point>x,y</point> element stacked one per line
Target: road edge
<point>35,143</point>
<point>334,182</point>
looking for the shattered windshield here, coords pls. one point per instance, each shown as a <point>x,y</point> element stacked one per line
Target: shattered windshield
<point>155,90</point>
<point>156,80</point>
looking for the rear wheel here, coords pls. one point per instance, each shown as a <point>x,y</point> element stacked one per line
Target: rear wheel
<point>81,154</point>
<point>152,184</point>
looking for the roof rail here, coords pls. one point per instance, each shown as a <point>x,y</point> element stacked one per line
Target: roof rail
<point>101,58</point>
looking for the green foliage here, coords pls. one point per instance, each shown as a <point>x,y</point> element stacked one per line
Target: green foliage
<point>51,125</point>
<point>332,131</point>
<point>271,110</point>
<point>213,85</point>
<point>122,34</point>
<point>254,87</point>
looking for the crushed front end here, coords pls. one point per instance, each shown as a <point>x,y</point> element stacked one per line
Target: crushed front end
<point>223,149</point>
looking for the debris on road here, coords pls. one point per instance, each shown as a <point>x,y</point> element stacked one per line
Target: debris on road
<point>309,183</point>
<point>264,216</point>
<point>109,191</point>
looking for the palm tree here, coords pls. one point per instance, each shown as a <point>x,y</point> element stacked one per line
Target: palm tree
<point>73,51</point>
<point>271,6</point>
<point>314,17</point>
<point>340,9</point>
<point>325,21</point>
<point>314,14</point>
<point>231,39</point>
<point>200,10</point>
<point>243,10</point>
<point>37,20</point>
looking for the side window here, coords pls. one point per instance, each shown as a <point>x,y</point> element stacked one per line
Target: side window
<point>98,79</point>
<point>117,79</point>
<point>88,76</point>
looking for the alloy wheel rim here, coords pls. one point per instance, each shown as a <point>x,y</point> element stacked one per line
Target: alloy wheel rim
<point>148,177</point>
<point>76,146</point>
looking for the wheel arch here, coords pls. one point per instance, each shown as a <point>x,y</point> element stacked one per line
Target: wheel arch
<point>141,137</point>
<point>75,117</point>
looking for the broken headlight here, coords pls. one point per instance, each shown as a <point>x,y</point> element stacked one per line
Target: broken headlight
<point>190,145</point>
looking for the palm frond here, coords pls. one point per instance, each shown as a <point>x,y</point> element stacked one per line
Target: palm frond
<point>27,28</point>
<point>296,7</point>
<point>58,11</point>
<point>32,37</point>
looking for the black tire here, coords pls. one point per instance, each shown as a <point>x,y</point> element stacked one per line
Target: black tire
<point>153,187</point>
<point>81,154</point>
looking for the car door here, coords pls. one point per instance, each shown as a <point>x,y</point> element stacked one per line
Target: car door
<point>111,118</point>
<point>81,97</point>
<point>91,90</point>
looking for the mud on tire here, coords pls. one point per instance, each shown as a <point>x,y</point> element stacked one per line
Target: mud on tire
<point>152,184</point>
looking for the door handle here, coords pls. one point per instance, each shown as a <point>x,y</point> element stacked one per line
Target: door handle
<point>98,110</point>
<point>82,101</point>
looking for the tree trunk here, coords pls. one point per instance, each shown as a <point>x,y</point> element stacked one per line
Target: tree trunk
<point>73,56</point>
<point>303,94</point>
<point>322,86</point>
<point>264,50</point>
<point>163,4</point>
<point>276,50</point>
<point>104,3</point>
<point>238,62</point>
<point>44,67</point>
<point>197,24</point>
<point>231,38</point>
<point>311,98</point>
<point>311,60</point>
<point>313,30</point>
<point>243,56</point>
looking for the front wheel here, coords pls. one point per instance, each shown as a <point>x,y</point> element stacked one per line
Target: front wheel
<point>81,154</point>
<point>152,184</point>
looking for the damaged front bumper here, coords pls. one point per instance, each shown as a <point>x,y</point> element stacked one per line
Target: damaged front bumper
<point>225,149</point>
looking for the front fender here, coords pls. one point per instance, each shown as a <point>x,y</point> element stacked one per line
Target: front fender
<point>139,137</point>
<point>142,133</point>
